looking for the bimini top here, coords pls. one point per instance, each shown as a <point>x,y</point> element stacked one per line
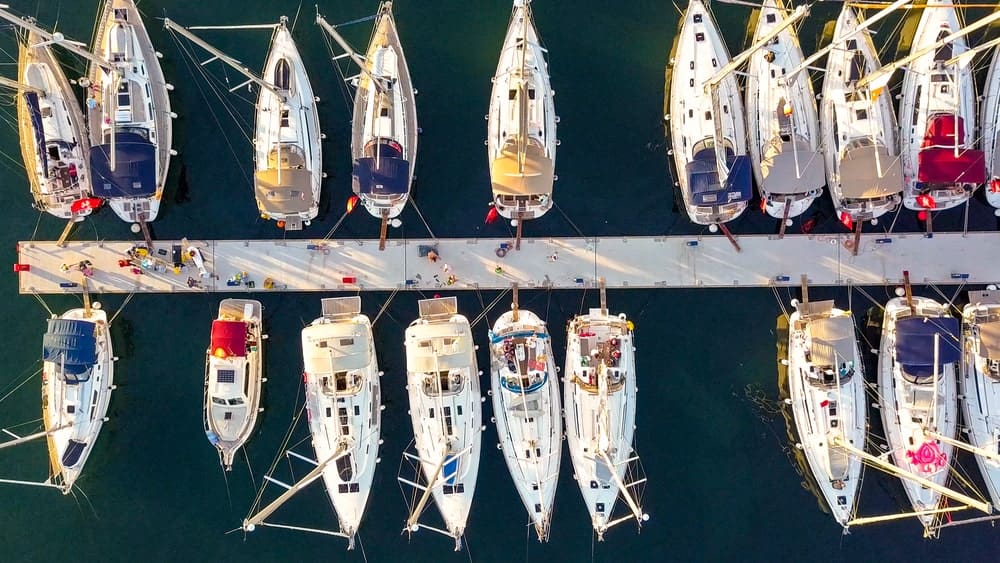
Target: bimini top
<point>703,178</point>
<point>70,343</point>
<point>512,177</point>
<point>285,186</point>
<point>989,340</point>
<point>135,167</point>
<point>385,174</point>
<point>230,337</point>
<point>35,115</point>
<point>335,347</point>
<point>915,344</point>
<point>781,174</point>
<point>832,340</point>
<point>859,172</point>
<point>938,163</point>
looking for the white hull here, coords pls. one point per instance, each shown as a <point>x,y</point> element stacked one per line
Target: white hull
<point>852,121</point>
<point>344,406</point>
<point>828,402</point>
<point>990,112</point>
<point>979,385</point>
<point>909,408</point>
<point>233,378</point>
<point>64,178</point>
<point>445,409</point>
<point>931,89</point>
<point>77,409</point>
<point>126,41</point>
<point>694,63</point>
<point>782,121</point>
<point>286,132</point>
<point>529,122</point>
<point>600,396</point>
<point>527,411</point>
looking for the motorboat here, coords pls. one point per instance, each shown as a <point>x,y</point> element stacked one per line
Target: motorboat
<point>234,366</point>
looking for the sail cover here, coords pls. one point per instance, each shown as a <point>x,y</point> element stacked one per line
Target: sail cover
<point>70,343</point>
<point>915,343</point>
<point>135,167</point>
<point>382,175</point>
<point>230,337</point>
<point>35,117</point>
<point>703,178</point>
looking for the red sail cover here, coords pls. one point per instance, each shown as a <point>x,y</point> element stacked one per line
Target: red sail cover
<point>937,163</point>
<point>230,337</point>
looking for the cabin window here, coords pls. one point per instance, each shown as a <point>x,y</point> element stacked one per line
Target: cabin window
<point>715,62</point>
<point>123,100</point>
<point>699,37</point>
<point>357,410</point>
<point>691,82</point>
<point>861,114</point>
<point>121,14</point>
<point>458,410</point>
<point>284,118</point>
<point>916,114</point>
<point>447,420</point>
<point>225,376</point>
<point>236,401</point>
<point>708,116</point>
<point>698,18</point>
<point>71,409</point>
<point>218,401</point>
<point>538,507</point>
<point>384,112</point>
<point>771,18</point>
<point>227,416</point>
<point>430,413</point>
<point>512,95</point>
<point>691,65</point>
<point>342,415</point>
<point>246,380</point>
<point>725,109</point>
<point>531,93</point>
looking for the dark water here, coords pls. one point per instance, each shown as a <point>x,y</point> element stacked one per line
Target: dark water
<point>721,485</point>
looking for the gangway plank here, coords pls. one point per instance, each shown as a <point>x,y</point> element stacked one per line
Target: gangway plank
<point>470,264</point>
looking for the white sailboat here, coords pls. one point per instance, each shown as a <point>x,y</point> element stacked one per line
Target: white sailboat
<point>937,113</point>
<point>233,376</point>
<point>445,408</point>
<point>858,127</point>
<point>129,115</point>
<point>979,384</point>
<point>526,408</point>
<point>77,380</point>
<point>521,124</point>
<point>384,128</point>
<point>599,383</point>
<point>990,114</point>
<point>707,132</point>
<point>54,141</point>
<point>918,355</point>
<point>782,121</point>
<point>826,387</point>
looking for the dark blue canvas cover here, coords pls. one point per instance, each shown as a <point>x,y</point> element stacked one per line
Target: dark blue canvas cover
<point>135,167</point>
<point>35,115</point>
<point>70,343</point>
<point>703,179</point>
<point>388,174</point>
<point>915,344</point>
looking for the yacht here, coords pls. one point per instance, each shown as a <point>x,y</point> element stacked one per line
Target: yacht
<point>979,384</point>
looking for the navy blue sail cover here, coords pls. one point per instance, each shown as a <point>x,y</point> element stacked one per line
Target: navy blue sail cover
<point>703,179</point>
<point>70,343</point>
<point>388,174</point>
<point>35,115</point>
<point>135,167</point>
<point>915,343</point>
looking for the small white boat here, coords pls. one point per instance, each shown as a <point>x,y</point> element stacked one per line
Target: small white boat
<point>344,406</point>
<point>233,375</point>
<point>937,113</point>
<point>979,384</point>
<point>782,121</point>
<point>445,408</point>
<point>288,165</point>
<point>990,113</point>
<point>129,116</point>
<point>77,380</point>
<point>918,359</point>
<point>384,129</point>
<point>707,130</point>
<point>826,385</point>
<point>859,128</point>
<point>54,141</point>
<point>600,394</point>
<point>526,409</point>
<point>521,124</point>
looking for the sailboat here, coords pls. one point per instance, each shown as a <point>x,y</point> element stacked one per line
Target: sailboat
<point>129,115</point>
<point>859,129</point>
<point>979,384</point>
<point>918,354</point>
<point>526,408</point>
<point>826,386</point>
<point>233,376</point>
<point>710,155</point>
<point>600,401</point>
<point>384,128</point>
<point>521,124</point>
<point>287,149</point>
<point>445,407</point>
<point>941,167</point>
<point>77,380</point>
<point>990,113</point>
<point>782,121</point>
<point>54,142</point>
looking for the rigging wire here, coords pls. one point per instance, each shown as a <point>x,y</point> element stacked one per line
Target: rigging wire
<point>279,455</point>
<point>120,309</point>
<point>18,386</point>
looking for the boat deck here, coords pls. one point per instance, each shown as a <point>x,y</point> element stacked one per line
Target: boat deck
<point>464,264</point>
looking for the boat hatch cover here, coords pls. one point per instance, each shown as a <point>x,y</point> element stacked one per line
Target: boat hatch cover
<point>385,174</point>
<point>74,450</point>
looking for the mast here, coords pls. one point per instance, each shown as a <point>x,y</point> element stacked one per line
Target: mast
<point>15,85</point>
<point>331,30</point>
<point>522,102</point>
<point>217,54</point>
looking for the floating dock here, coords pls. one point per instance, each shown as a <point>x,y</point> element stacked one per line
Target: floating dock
<point>469,264</point>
